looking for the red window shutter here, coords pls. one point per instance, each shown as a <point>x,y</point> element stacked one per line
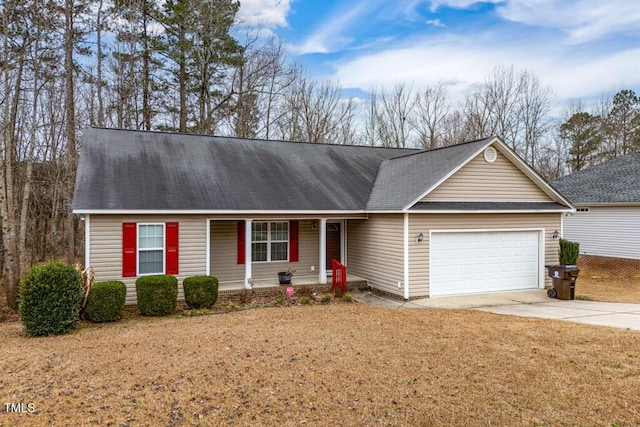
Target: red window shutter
<point>172,247</point>
<point>241,241</point>
<point>293,241</point>
<point>129,243</point>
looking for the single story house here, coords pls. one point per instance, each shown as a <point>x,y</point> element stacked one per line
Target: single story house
<point>606,222</point>
<point>468,218</point>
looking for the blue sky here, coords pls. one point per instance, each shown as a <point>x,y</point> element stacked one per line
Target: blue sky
<point>581,48</point>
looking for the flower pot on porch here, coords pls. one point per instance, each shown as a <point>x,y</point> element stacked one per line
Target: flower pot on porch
<point>285,277</point>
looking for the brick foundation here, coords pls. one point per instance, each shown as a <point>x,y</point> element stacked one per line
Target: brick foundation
<point>608,266</point>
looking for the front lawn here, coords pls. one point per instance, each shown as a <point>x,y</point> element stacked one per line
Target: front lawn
<point>605,288</point>
<point>340,364</point>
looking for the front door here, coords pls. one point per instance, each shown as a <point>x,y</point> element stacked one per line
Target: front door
<point>333,243</point>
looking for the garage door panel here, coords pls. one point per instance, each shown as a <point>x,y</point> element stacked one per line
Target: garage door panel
<point>475,262</point>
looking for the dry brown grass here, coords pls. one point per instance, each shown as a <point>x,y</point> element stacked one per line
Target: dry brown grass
<point>345,364</point>
<point>596,286</point>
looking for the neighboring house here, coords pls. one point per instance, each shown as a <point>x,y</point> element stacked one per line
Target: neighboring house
<point>468,218</point>
<point>607,218</point>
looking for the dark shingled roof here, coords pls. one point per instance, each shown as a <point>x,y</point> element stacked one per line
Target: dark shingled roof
<point>133,170</point>
<point>403,179</point>
<point>614,181</point>
<point>127,170</point>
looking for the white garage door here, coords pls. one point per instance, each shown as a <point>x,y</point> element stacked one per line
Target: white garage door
<point>475,262</point>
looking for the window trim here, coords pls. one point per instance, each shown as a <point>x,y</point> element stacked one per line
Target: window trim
<point>269,241</point>
<point>163,249</point>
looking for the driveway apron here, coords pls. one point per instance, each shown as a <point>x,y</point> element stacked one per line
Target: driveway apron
<point>530,303</point>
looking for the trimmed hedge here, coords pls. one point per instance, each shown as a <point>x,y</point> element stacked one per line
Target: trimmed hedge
<point>569,252</point>
<point>200,291</point>
<point>157,295</point>
<point>105,302</point>
<point>50,299</point>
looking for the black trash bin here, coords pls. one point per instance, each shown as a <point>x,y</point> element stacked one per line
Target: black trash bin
<point>563,280</point>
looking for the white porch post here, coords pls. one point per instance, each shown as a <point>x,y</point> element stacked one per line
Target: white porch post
<point>247,253</point>
<point>323,252</point>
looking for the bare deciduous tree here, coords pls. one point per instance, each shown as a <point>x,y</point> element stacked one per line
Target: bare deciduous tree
<point>389,116</point>
<point>431,111</point>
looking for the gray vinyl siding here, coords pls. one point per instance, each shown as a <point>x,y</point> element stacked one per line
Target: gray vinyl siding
<point>605,231</point>
<point>224,253</point>
<point>376,251</point>
<point>106,247</point>
<point>424,223</point>
<point>482,181</point>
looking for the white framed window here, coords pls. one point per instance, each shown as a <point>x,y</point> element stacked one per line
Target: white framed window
<point>270,241</point>
<point>150,248</point>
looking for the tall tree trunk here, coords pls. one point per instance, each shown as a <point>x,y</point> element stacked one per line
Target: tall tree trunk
<point>70,127</point>
<point>99,64</point>
<point>24,217</point>
<point>69,44</point>
<point>146,64</point>
<point>7,183</point>
<point>183,94</point>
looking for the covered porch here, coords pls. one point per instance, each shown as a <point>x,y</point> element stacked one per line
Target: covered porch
<point>249,253</point>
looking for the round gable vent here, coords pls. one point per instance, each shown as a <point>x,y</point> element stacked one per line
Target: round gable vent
<point>490,155</point>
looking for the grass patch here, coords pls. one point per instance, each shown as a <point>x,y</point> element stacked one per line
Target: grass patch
<point>608,289</point>
<point>323,365</point>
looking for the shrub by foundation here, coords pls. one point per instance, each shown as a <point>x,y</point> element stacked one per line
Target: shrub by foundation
<point>51,297</point>
<point>200,291</point>
<point>326,299</point>
<point>106,301</point>
<point>347,298</point>
<point>157,295</point>
<point>569,252</point>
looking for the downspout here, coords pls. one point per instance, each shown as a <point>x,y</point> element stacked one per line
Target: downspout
<point>207,261</point>
<point>406,256</point>
<point>87,241</point>
<point>248,274</point>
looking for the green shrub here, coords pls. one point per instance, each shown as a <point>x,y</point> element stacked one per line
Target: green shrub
<point>326,299</point>
<point>50,299</point>
<point>200,291</point>
<point>347,298</point>
<point>305,300</point>
<point>106,301</point>
<point>157,295</point>
<point>569,252</point>
<point>279,301</point>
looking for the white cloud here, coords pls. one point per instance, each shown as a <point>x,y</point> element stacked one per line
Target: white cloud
<point>329,33</point>
<point>435,22</point>
<point>583,20</point>
<point>458,4</point>
<point>464,62</point>
<point>269,13</point>
<point>561,42</point>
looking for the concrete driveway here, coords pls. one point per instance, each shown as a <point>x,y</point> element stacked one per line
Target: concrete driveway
<point>532,303</point>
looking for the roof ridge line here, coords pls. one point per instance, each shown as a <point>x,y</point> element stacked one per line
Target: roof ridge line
<point>185,134</point>
<point>431,150</point>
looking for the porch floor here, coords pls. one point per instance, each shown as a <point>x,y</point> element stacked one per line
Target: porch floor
<point>274,283</point>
